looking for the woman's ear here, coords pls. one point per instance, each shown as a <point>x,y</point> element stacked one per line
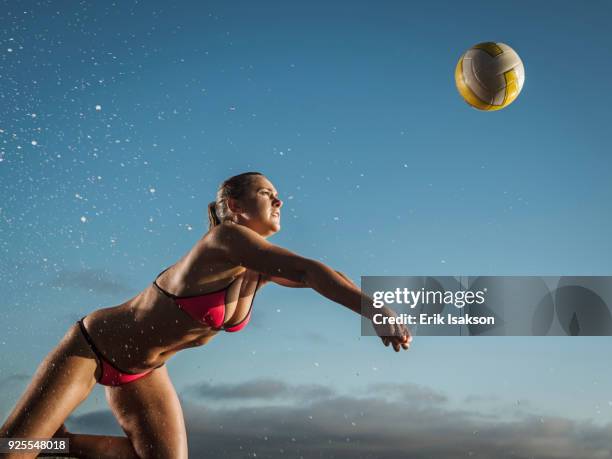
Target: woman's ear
<point>233,205</point>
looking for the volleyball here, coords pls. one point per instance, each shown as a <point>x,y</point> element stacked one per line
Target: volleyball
<point>489,76</point>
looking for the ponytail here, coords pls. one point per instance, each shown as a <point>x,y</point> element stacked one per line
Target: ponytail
<point>213,219</point>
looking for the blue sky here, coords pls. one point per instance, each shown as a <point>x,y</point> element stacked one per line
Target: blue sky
<point>119,120</point>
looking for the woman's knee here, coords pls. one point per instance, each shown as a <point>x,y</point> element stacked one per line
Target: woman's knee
<point>156,434</point>
<point>157,451</point>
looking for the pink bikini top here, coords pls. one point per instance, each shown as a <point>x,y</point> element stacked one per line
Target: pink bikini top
<point>208,309</point>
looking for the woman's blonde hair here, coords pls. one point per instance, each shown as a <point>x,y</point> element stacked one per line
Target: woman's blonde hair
<point>234,187</point>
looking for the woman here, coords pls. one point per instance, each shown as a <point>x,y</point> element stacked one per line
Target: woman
<point>210,289</point>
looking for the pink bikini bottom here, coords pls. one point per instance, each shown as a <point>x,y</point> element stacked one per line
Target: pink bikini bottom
<point>111,375</point>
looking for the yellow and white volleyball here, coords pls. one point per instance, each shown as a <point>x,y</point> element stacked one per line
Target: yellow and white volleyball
<point>489,76</point>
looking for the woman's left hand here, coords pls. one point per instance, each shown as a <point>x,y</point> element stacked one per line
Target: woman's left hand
<point>398,335</point>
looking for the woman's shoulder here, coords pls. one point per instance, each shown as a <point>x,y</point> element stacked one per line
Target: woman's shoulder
<point>229,231</point>
<point>218,244</point>
<point>208,251</point>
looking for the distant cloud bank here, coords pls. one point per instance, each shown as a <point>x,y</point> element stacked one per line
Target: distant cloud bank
<point>385,421</point>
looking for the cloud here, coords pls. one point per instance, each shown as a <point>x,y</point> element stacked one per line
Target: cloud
<point>263,389</point>
<point>481,398</point>
<point>92,280</point>
<point>418,424</point>
<point>408,392</point>
<point>96,422</point>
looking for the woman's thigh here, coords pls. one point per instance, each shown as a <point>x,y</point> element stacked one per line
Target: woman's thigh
<point>62,381</point>
<point>149,412</point>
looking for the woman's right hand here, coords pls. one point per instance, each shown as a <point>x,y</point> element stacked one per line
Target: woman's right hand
<point>398,335</point>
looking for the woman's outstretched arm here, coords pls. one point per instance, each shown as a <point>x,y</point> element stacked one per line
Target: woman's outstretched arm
<point>245,247</point>
<point>291,284</point>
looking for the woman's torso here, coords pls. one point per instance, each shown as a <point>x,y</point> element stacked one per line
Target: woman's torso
<point>148,329</point>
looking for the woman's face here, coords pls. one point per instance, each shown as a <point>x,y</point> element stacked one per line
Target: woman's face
<point>259,209</point>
